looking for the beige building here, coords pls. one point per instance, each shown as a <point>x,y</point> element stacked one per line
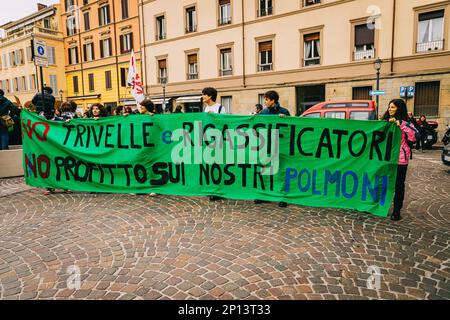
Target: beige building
<point>19,77</point>
<point>307,50</point>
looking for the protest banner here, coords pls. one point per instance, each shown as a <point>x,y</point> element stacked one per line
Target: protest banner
<point>314,162</point>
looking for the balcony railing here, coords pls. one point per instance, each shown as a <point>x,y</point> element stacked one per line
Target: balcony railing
<point>364,54</point>
<point>161,36</point>
<point>224,21</point>
<point>162,80</point>
<point>310,2</point>
<point>225,72</point>
<point>27,31</point>
<point>311,61</point>
<point>265,67</point>
<point>430,46</point>
<point>191,28</point>
<point>192,76</point>
<point>265,12</point>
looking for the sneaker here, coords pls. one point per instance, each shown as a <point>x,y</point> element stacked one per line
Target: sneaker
<point>214,198</point>
<point>67,191</point>
<point>152,194</point>
<point>396,217</point>
<point>49,191</point>
<point>260,201</point>
<point>282,204</point>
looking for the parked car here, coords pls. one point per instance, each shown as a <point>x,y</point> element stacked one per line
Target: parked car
<point>350,109</point>
<point>446,155</point>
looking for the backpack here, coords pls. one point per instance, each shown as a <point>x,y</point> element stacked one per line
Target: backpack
<point>416,135</point>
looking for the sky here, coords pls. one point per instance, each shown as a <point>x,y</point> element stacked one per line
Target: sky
<point>16,9</point>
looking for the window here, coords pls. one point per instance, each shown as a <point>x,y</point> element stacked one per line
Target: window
<point>310,2</point>
<point>69,4</point>
<point>311,49</point>
<point>103,15</point>
<point>53,84</point>
<point>224,12</point>
<point>192,67</point>
<point>160,28</point>
<point>431,31</point>
<point>88,52</point>
<point>16,85</point>
<point>51,55</point>
<point>126,43</point>
<point>162,71</point>
<point>1,63</point>
<point>32,82</point>
<point>29,54</point>
<point>85,2</point>
<point>71,26</point>
<point>364,42</point>
<point>226,64</point>
<point>75,84</point>
<point>191,23</point>
<point>87,21</point>
<point>264,8</point>
<point>227,103</point>
<point>125,13</point>
<point>361,93</point>
<point>362,115</point>
<point>426,101</point>
<point>73,55</point>
<point>108,80</point>
<point>335,114</point>
<point>105,48</point>
<point>91,81</point>
<point>265,56</point>
<point>5,61</point>
<point>261,99</point>
<point>123,77</point>
<point>46,23</point>
<point>8,89</point>
<point>313,115</point>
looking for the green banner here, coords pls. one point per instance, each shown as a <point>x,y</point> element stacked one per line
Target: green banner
<point>314,162</point>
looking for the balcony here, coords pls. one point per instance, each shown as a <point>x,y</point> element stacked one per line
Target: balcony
<point>311,61</point>
<point>28,31</point>
<point>226,72</point>
<point>191,28</point>
<point>363,54</point>
<point>265,12</point>
<point>192,76</point>
<point>224,21</point>
<point>161,36</point>
<point>265,67</point>
<point>430,46</point>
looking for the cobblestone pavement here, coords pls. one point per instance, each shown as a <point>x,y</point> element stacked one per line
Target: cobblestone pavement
<point>139,247</point>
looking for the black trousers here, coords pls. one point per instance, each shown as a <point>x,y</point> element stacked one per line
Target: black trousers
<point>399,188</point>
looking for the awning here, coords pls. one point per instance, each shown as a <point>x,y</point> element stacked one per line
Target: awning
<point>189,99</point>
<point>92,96</point>
<point>160,100</point>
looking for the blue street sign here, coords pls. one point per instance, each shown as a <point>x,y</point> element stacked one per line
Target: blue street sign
<point>41,50</point>
<point>411,90</point>
<point>403,90</point>
<point>377,93</point>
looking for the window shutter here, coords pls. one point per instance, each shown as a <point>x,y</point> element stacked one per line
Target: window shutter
<point>312,36</point>
<point>121,44</point>
<point>364,35</point>
<point>110,46</point>
<point>131,41</point>
<point>102,54</point>
<point>76,54</point>
<point>70,56</point>
<point>265,46</point>
<point>192,58</point>
<point>431,15</point>
<point>85,52</point>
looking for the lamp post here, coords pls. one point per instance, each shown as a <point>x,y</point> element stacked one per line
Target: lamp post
<point>61,95</point>
<point>377,67</point>
<point>163,83</point>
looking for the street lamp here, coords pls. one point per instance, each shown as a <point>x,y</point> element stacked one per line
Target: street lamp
<point>164,83</point>
<point>61,95</point>
<point>377,66</point>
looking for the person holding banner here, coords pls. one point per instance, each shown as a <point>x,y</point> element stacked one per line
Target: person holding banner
<point>397,112</point>
<point>98,111</point>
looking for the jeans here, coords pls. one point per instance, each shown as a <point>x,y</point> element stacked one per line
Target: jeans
<point>4,139</point>
<point>399,189</point>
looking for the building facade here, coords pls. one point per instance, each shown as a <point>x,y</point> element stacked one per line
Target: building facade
<point>19,77</point>
<point>99,37</point>
<point>307,50</point>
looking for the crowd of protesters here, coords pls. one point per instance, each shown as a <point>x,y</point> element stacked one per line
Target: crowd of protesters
<point>44,104</point>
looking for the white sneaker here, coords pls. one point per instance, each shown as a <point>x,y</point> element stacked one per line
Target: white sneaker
<point>152,194</point>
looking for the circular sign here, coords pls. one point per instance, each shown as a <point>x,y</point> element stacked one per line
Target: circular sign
<point>40,50</point>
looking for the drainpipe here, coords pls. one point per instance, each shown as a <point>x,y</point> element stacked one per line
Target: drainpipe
<point>243,44</point>
<point>143,56</point>
<point>81,51</point>
<point>117,53</point>
<point>393,34</point>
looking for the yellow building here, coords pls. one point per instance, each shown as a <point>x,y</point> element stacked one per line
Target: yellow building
<point>19,77</point>
<point>98,38</point>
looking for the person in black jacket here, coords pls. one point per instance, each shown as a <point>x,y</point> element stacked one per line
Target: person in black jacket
<point>7,108</point>
<point>45,103</point>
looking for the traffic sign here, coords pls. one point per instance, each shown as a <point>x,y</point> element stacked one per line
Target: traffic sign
<point>40,53</point>
<point>377,93</point>
<point>403,91</point>
<point>411,90</point>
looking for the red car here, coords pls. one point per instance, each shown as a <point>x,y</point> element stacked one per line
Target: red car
<point>351,109</point>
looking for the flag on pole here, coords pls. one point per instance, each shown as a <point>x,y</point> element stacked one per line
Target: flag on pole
<point>134,80</point>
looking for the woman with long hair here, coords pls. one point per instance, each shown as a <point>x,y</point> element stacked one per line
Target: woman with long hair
<point>397,112</point>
